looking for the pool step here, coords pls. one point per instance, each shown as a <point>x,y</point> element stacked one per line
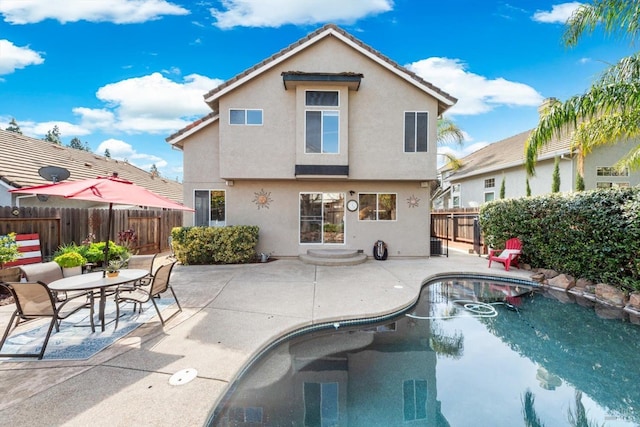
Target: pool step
<point>333,257</point>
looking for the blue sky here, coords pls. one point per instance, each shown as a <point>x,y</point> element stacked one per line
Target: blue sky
<point>125,74</point>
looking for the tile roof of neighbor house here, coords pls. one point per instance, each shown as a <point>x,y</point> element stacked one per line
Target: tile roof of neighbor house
<point>504,154</point>
<point>21,157</point>
<point>445,100</point>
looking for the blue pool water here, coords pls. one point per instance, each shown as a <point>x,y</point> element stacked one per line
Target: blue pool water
<point>469,353</point>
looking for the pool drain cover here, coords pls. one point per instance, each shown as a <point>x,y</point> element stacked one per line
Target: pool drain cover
<point>182,377</point>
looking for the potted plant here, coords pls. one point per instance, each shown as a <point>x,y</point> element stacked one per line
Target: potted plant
<point>71,263</point>
<point>8,252</point>
<point>113,269</point>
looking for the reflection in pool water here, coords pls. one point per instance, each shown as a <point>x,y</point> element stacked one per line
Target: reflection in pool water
<point>469,353</point>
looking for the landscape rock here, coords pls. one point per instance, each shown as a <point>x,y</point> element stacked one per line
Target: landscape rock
<point>538,277</point>
<point>583,284</point>
<point>610,295</point>
<point>634,300</point>
<point>548,273</point>
<point>562,281</point>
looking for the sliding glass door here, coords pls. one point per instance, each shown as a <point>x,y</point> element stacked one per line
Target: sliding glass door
<point>322,218</point>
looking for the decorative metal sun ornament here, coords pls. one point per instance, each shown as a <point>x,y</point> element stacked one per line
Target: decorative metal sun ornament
<point>413,201</point>
<point>262,199</point>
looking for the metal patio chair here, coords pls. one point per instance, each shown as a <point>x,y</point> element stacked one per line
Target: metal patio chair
<point>35,300</point>
<point>141,294</point>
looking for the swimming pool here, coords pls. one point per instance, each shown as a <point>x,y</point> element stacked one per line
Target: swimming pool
<point>471,352</point>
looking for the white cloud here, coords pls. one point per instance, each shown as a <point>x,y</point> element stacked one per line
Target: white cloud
<point>151,103</point>
<point>476,94</point>
<point>558,15</point>
<point>121,150</point>
<point>40,129</point>
<point>275,13</point>
<point>13,57</point>
<point>116,11</point>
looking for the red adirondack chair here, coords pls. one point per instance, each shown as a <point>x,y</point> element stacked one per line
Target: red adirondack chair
<point>507,256</point>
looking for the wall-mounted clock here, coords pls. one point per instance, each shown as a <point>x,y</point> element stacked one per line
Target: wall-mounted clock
<point>352,205</point>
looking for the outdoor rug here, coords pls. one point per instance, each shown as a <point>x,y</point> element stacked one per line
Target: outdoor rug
<point>75,341</point>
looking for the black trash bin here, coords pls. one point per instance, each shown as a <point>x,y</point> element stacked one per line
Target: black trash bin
<point>436,246</point>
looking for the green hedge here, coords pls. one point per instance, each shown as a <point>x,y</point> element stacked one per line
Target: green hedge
<point>591,234</point>
<point>215,245</point>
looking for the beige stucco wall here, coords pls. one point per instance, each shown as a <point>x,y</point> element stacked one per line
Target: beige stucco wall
<point>373,137</point>
<point>408,235</point>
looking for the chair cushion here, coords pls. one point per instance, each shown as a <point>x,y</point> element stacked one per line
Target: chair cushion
<point>508,252</point>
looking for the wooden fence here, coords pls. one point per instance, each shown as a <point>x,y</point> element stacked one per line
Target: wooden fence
<point>57,226</point>
<point>457,225</point>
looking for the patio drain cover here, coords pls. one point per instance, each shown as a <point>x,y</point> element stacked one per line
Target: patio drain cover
<point>182,377</point>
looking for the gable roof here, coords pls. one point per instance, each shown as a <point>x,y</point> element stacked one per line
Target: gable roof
<point>507,153</point>
<point>22,156</point>
<point>445,100</point>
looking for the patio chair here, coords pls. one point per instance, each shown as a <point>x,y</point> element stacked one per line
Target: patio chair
<point>142,262</point>
<point>47,272</point>
<point>141,294</point>
<point>507,256</point>
<point>35,300</point>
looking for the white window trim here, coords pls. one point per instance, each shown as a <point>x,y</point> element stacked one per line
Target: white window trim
<point>489,192</point>
<point>344,240</point>
<point>323,110</point>
<point>322,107</point>
<point>245,116</point>
<point>404,126</point>
<point>624,173</point>
<point>377,193</point>
<point>209,190</point>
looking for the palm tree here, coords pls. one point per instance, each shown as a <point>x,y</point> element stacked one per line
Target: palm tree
<point>449,132</point>
<point>609,111</point>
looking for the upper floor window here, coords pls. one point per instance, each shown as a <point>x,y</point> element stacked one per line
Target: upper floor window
<point>322,123</point>
<point>455,188</point>
<point>610,171</point>
<point>489,183</point>
<point>415,131</point>
<point>245,117</point>
<point>414,396</point>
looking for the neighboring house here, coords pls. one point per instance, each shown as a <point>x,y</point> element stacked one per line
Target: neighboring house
<point>21,157</point>
<point>480,178</point>
<point>325,144</point>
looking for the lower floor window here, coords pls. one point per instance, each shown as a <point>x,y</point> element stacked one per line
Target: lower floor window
<point>456,201</point>
<point>488,197</point>
<point>322,218</point>
<point>210,208</point>
<point>603,184</point>
<point>377,207</point>
<point>320,404</point>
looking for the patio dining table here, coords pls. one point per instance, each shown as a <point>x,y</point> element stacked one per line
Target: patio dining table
<point>97,281</point>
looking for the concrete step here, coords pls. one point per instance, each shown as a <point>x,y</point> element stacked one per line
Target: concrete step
<point>333,257</point>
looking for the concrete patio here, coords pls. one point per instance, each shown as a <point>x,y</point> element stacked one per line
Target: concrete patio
<point>230,312</point>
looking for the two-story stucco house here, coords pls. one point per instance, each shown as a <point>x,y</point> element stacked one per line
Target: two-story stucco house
<point>326,144</point>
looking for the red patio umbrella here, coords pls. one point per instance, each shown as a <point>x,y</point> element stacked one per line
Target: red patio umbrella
<point>105,189</point>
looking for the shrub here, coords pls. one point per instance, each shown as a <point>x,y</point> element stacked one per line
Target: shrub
<point>215,245</point>
<point>8,248</point>
<point>591,234</point>
<point>70,259</point>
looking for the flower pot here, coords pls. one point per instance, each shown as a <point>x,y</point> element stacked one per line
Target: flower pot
<point>112,273</point>
<point>71,271</point>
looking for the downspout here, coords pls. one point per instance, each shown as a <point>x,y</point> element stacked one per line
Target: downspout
<point>23,197</point>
